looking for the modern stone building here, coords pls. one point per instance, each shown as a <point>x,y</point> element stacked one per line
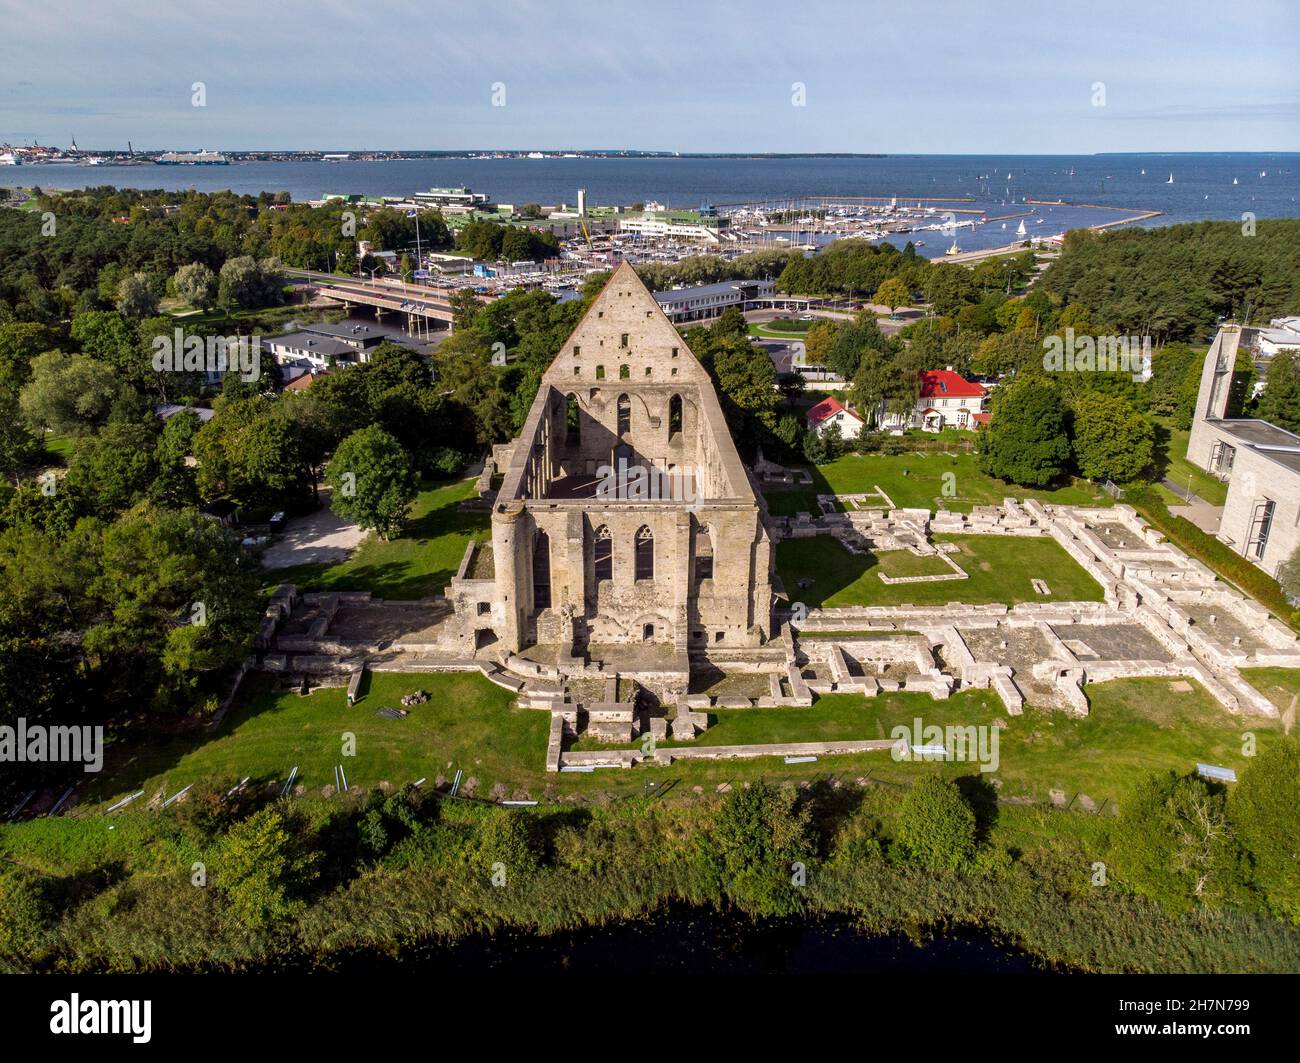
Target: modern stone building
<point>1259,461</point>
<point>624,514</point>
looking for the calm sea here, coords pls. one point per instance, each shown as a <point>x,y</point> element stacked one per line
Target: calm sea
<point>1268,185</point>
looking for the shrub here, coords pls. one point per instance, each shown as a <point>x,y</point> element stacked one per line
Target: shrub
<point>936,827</point>
<point>1174,845</point>
<point>759,833</point>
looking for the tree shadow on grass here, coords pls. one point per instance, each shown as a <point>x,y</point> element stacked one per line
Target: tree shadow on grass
<point>1160,456</point>
<point>983,799</point>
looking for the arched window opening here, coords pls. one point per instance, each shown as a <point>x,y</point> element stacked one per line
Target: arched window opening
<point>703,553</point>
<point>624,415</point>
<point>600,372</point>
<point>645,553</point>
<point>572,420</point>
<point>674,415</point>
<point>625,372</point>
<point>603,554</point>
<point>542,571</point>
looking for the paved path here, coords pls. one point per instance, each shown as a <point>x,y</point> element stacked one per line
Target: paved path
<point>315,538</point>
<point>1198,511</point>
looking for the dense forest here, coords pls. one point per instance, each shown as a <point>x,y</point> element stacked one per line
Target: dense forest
<point>1178,282</point>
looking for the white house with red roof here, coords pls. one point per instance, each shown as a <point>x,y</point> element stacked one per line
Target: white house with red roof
<point>831,411</point>
<point>946,400</point>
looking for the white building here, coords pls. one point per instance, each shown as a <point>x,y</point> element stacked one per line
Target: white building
<point>1283,333</point>
<point>946,400</point>
<point>675,225</point>
<point>833,412</point>
<point>709,300</point>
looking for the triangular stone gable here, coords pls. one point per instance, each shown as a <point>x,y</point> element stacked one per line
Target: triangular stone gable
<point>625,307</point>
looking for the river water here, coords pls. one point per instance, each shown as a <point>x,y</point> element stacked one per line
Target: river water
<point>708,942</point>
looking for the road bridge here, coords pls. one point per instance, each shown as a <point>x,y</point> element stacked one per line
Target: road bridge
<point>423,305</point>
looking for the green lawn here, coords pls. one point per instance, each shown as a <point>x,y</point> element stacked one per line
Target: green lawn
<point>1000,569</point>
<point>1136,727</point>
<point>418,563</point>
<point>468,723</point>
<point>919,480</point>
<point>1171,460</point>
<point>780,328</point>
<point>58,449</point>
<point>1280,685</point>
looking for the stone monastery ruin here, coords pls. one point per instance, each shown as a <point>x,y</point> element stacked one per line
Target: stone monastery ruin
<point>628,586</point>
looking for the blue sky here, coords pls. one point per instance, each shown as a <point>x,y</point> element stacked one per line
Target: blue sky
<point>971,76</point>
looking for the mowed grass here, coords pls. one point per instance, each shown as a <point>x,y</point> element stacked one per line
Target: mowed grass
<point>58,449</point>
<point>1000,569</point>
<point>919,480</point>
<point>417,564</point>
<point>1280,685</point>
<point>1136,727</point>
<point>468,723</point>
<point>1171,459</point>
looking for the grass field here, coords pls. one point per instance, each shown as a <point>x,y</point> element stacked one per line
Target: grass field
<point>780,328</point>
<point>467,723</point>
<point>58,449</point>
<point>1171,461</point>
<point>921,480</point>
<point>1135,727</point>
<point>1280,685</point>
<point>1000,569</point>
<point>418,563</point>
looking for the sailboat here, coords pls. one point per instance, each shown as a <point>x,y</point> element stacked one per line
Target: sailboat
<point>1234,180</point>
<point>1171,180</point>
<point>1021,230</point>
<point>954,250</point>
<point>1004,225</point>
<point>1263,173</point>
<point>1144,173</point>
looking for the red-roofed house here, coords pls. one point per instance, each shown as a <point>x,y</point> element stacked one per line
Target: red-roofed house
<point>832,411</point>
<point>946,400</point>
